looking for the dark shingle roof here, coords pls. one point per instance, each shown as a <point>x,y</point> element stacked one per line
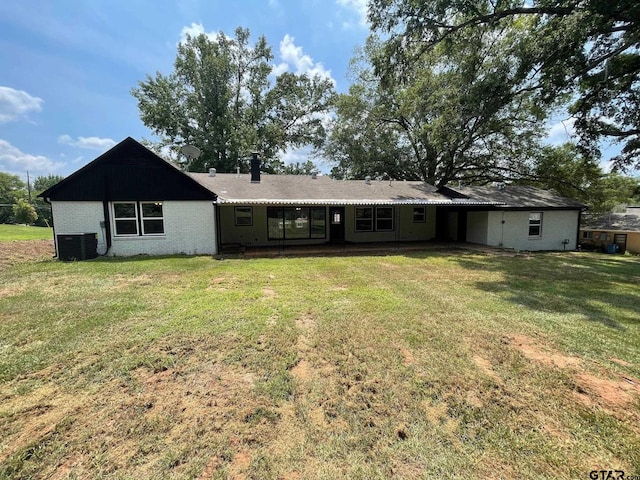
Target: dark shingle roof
<point>626,222</point>
<point>303,189</point>
<point>517,196</point>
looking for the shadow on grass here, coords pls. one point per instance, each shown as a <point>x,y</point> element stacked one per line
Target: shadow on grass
<point>596,286</point>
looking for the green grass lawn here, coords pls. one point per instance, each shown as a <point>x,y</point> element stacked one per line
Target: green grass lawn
<point>438,365</point>
<point>22,232</point>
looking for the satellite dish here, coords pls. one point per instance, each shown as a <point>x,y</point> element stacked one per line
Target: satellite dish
<point>190,152</point>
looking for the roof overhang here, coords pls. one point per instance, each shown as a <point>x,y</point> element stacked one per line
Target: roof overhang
<point>364,201</point>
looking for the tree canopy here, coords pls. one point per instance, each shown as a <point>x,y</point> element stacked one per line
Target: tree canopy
<point>43,209</point>
<point>458,114</point>
<point>583,54</point>
<point>223,98</point>
<point>24,212</point>
<point>572,174</point>
<point>11,189</point>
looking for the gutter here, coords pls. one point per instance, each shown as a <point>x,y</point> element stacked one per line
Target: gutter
<point>55,237</point>
<point>334,202</point>
<point>216,210</point>
<point>107,220</point>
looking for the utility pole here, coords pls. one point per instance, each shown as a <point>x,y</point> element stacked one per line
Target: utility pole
<point>29,186</point>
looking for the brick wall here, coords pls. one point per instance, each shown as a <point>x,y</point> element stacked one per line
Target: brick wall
<point>189,228</point>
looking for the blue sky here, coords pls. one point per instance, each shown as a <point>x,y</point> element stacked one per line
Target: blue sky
<point>67,66</point>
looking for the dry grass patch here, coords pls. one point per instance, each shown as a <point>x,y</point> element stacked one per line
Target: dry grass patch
<point>533,350</point>
<point>20,251</point>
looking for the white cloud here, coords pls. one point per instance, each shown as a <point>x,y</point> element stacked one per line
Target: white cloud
<point>359,7</point>
<point>196,29</point>
<point>295,59</point>
<point>13,160</point>
<point>91,143</point>
<point>292,56</point>
<point>15,104</point>
<point>561,132</point>
<point>192,30</point>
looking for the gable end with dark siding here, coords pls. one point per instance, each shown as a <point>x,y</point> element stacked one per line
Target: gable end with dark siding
<point>129,171</point>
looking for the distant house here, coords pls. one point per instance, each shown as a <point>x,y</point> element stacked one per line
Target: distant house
<point>134,202</point>
<point>621,229</point>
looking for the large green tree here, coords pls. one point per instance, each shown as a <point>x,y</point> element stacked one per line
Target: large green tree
<point>43,209</point>
<point>11,189</point>
<point>572,174</point>
<point>583,54</point>
<point>457,115</point>
<point>222,97</point>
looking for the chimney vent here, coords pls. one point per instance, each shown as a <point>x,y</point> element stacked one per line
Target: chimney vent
<point>367,180</point>
<point>212,172</point>
<point>255,168</point>
<point>314,175</point>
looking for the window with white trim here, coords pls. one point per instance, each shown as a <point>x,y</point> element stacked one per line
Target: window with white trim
<point>152,218</point>
<point>535,224</point>
<point>137,218</point>
<point>125,218</point>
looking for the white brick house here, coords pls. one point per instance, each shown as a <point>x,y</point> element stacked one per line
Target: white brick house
<point>135,203</point>
<point>130,202</point>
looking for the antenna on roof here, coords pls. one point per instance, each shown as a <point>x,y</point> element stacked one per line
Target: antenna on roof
<point>191,153</point>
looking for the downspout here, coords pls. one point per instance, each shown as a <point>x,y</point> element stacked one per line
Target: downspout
<point>216,210</point>
<point>396,220</point>
<point>55,237</point>
<point>107,220</point>
<point>578,232</point>
<point>107,226</point>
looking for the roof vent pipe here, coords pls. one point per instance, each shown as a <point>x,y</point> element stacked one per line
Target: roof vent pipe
<point>314,175</point>
<point>367,180</point>
<point>255,168</point>
<point>238,171</point>
<point>212,172</point>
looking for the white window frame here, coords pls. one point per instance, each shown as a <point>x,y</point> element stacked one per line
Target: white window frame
<point>138,219</point>
<point>535,222</point>
<point>143,218</point>
<point>129,219</point>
